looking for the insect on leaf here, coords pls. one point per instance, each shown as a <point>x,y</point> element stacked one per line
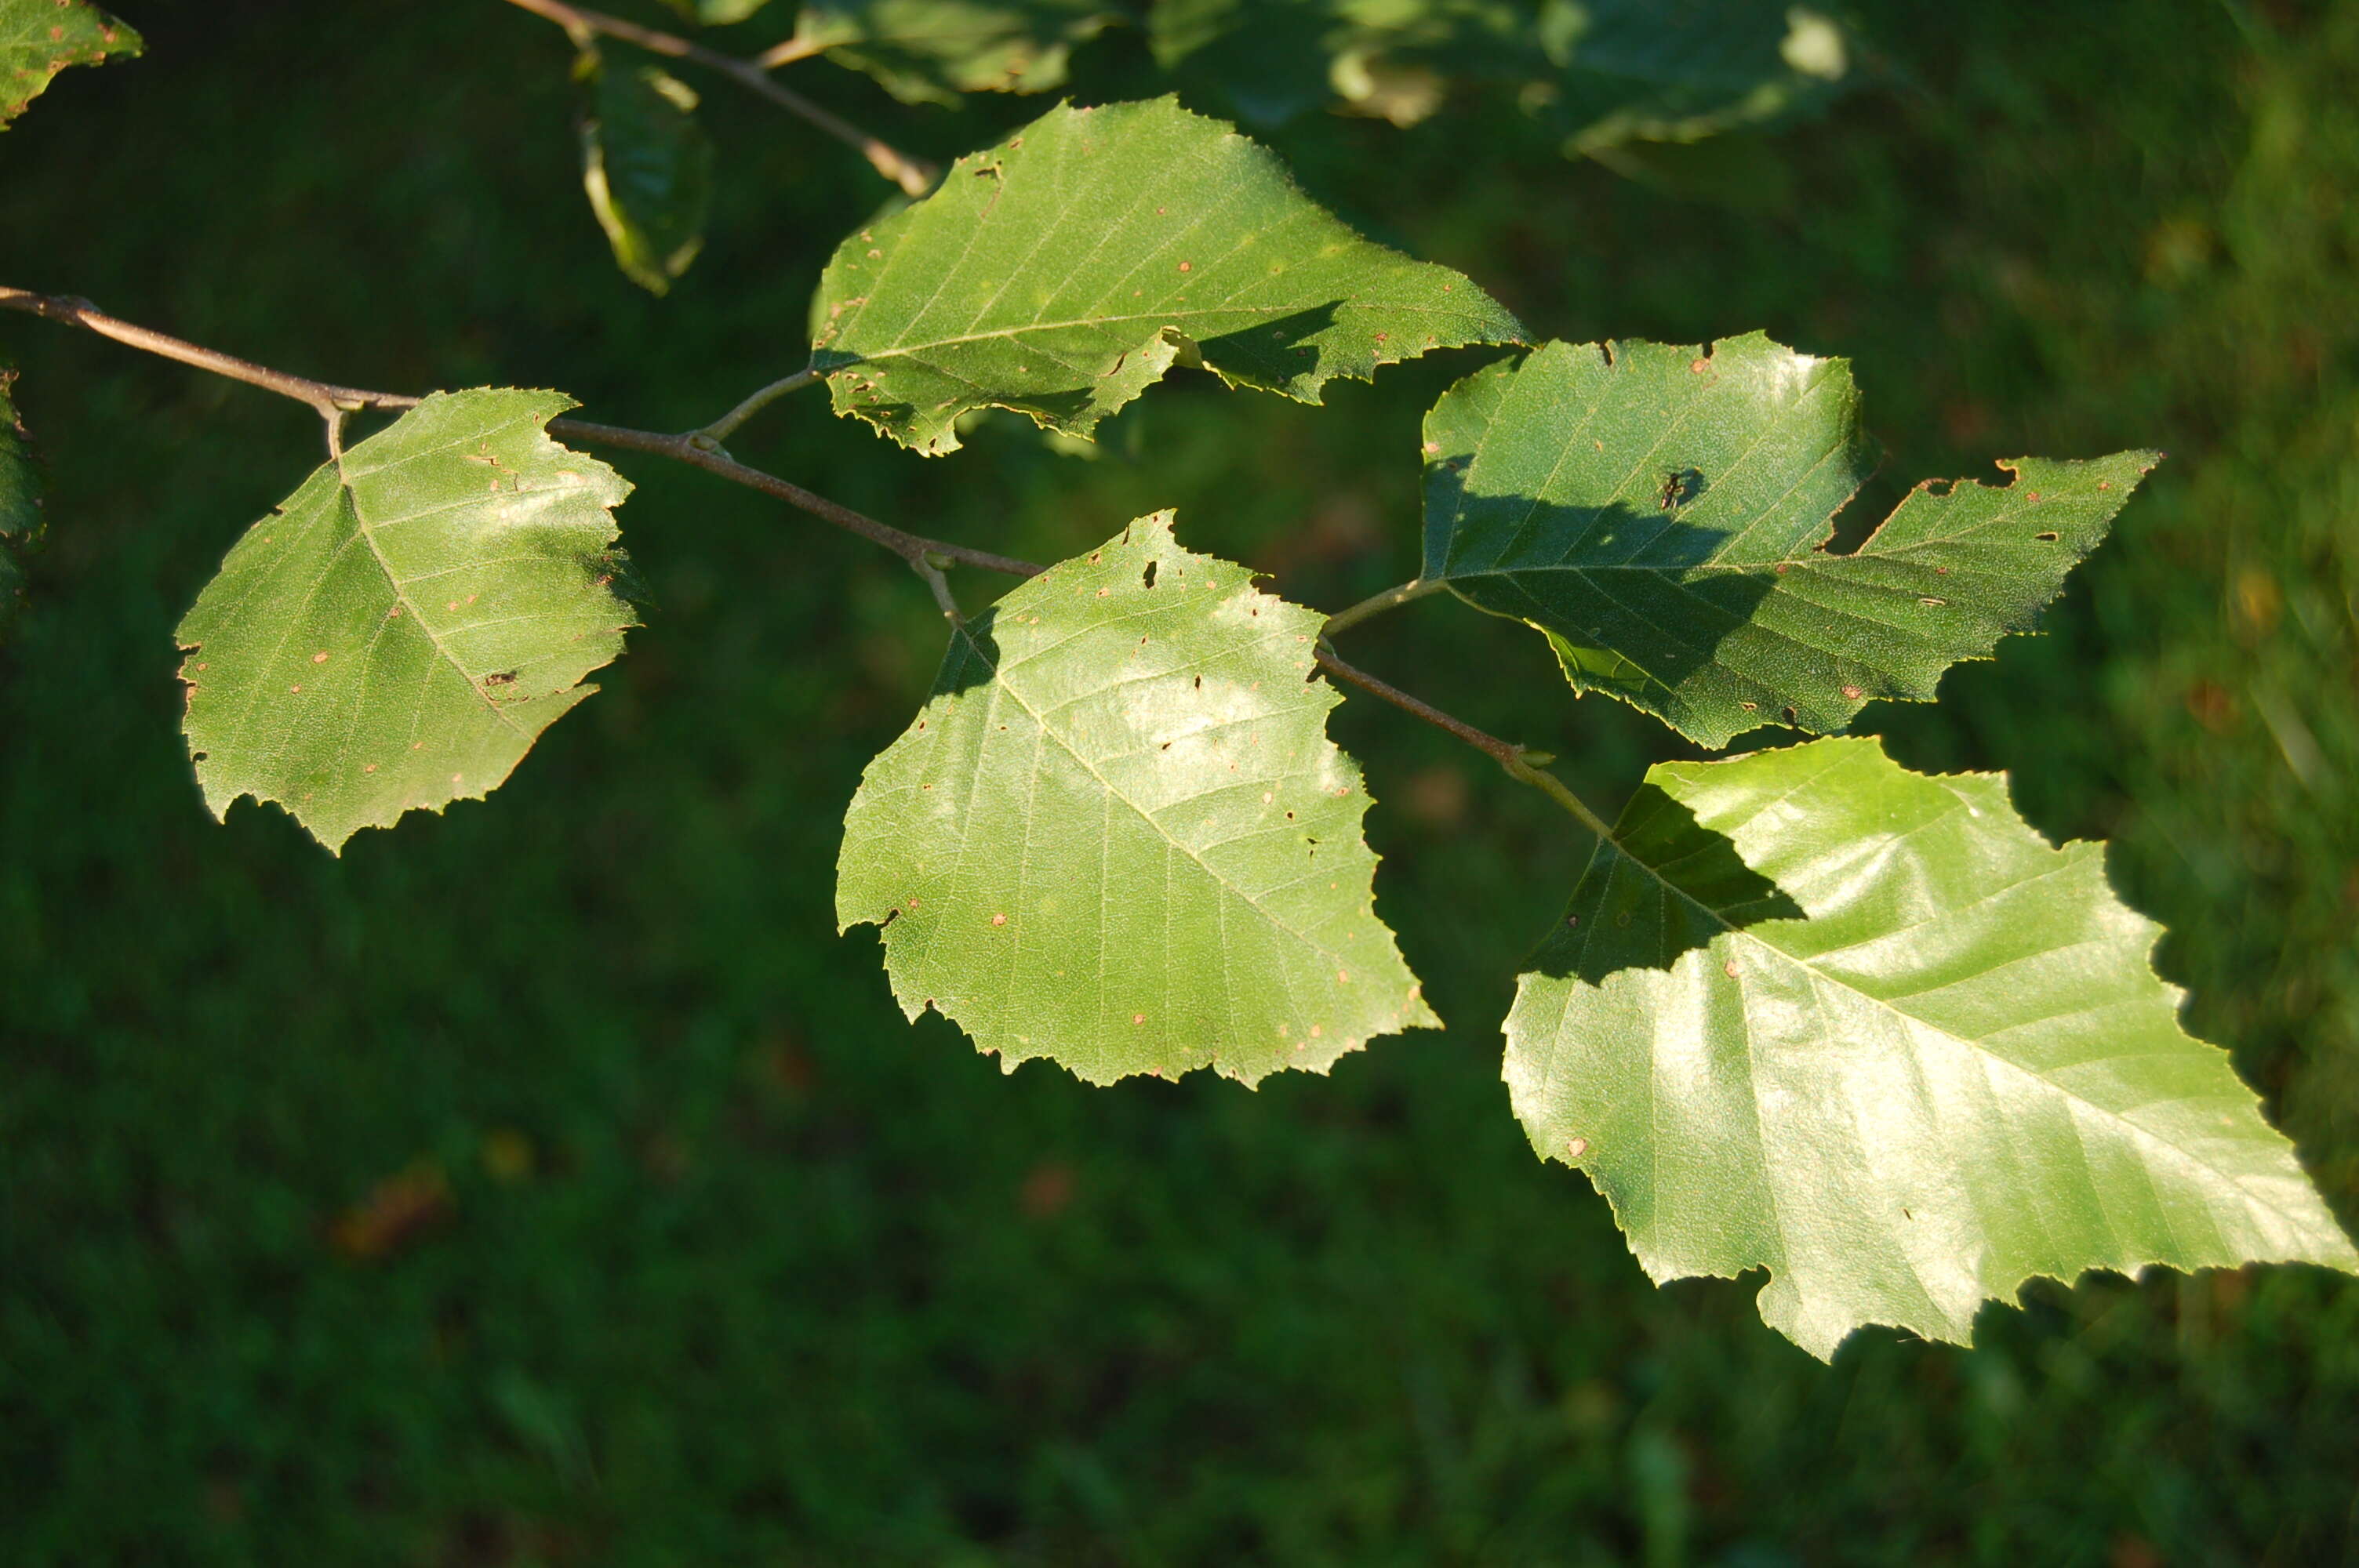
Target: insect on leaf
<point>1064,271</point>
<point>397,632</point>
<point>1863,1027</point>
<point>1118,836</point>
<point>1661,514</point>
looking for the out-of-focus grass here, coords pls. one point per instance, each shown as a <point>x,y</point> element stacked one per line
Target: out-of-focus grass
<point>543,1183</point>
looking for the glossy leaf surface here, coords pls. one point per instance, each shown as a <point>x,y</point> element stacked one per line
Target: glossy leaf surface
<point>20,503</point>
<point>648,168</point>
<point>400,630</point>
<point>1660,513</point>
<point>39,39</point>
<point>1118,836</point>
<point>930,51</point>
<point>1866,1029</point>
<point>1066,270</point>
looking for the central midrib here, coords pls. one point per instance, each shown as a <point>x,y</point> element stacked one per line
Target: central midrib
<point>401,597</point>
<point>1976,1048</point>
<point>1144,816</point>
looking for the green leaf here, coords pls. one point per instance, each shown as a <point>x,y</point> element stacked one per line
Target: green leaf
<point>716,13</point>
<point>1600,74</point>
<point>1864,1027</point>
<point>397,632</point>
<point>1680,71</point>
<point>930,51</point>
<point>39,39</point>
<point>1118,836</point>
<point>1064,271</point>
<point>20,503</point>
<point>647,168</point>
<point>1662,515</point>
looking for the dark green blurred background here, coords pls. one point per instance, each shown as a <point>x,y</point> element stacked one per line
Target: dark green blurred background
<point>545,1183</point>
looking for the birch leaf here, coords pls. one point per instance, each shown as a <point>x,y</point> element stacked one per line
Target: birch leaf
<point>1064,271</point>
<point>1118,836</point>
<point>1661,516</point>
<point>39,39</point>
<point>397,632</point>
<point>1864,1027</point>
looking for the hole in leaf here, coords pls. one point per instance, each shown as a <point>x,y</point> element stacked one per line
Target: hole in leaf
<point>1146,577</point>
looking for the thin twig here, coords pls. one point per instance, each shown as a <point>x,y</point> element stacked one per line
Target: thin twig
<point>912,174</point>
<point>331,401</point>
<point>1518,761</point>
<point>910,547</point>
<point>926,556</point>
<point>1377,604</point>
<point>786,53</point>
<point>721,429</point>
<point>930,569</point>
<point>324,397</point>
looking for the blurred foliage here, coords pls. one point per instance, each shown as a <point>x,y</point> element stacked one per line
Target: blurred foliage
<point>541,1183</point>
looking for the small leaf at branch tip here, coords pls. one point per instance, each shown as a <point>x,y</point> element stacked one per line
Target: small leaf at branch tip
<point>1064,756</point>
<point>1970,1014</point>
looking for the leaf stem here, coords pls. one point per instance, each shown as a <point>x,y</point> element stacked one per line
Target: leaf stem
<point>721,429</point>
<point>331,401</point>
<point>325,397</point>
<point>929,567</point>
<point>1518,761</point>
<point>789,52</point>
<point>912,174</point>
<point>1377,604</point>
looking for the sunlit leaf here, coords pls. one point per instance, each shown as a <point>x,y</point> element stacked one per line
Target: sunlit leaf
<point>1118,836</point>
<point>930,51</point>
<point>1864,1027</point>
<point>39,39</point>
<point>1062,272</point>
<point>1661,514</point>
<point>397,632</point>
<point>648,168</point>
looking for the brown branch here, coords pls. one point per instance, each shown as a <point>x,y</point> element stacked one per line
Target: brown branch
<point>332,402</point>
<point>328,399</point>
<point>926,556</point>
<point>1518,762</point>
<point>912,174</point>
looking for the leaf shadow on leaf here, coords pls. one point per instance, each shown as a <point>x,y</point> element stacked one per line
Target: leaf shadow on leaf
<point>1664,887</point>
<point>1639,624</point>
<point>971,659</point>
<point>1270,353</point>
<point>1050,410</point>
